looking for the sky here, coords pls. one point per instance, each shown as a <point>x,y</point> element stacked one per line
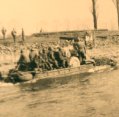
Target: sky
<point>55,15</point>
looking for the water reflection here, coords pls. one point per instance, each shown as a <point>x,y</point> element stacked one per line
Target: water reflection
<point>49,83</point>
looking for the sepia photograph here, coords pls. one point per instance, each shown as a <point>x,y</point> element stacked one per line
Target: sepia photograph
<point>59,58</point>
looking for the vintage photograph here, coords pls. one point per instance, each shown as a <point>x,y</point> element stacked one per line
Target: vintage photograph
<point>59,58</point>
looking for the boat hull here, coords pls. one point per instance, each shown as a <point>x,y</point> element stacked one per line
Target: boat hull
<point>58,73</point>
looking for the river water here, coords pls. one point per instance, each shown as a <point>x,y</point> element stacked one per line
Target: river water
<point>90,95</point>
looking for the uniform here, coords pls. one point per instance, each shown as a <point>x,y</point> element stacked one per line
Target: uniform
<point>23,35</point>
<point>3,32</point>
<point>61,58</point>
<point>81,51</point>
<point>46,63</point>
<point>51,58</point>
<point>23,63</point>
<point>13,33</point>
<point>33,59</point>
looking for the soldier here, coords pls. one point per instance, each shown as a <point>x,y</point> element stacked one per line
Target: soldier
<point>40,61</point>
<point>3,32</point>
<point>62,59</point>
<point>33,59</point>
<point>13,33</point>
<point>67,50</point>
<point>46,63</point>
<point>51,58</point>
<point>23,63</point>
<point>41,30</point>
<point>89,41</point>
<point>23,35</point>
<point>80,50</point>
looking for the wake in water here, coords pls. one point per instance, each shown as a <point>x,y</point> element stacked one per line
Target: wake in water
<point>88,95</point>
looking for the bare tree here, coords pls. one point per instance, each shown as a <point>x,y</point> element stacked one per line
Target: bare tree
<point>94,13</point>
<point>116,3</point>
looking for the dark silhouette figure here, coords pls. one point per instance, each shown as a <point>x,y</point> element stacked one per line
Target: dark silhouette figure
<point>13,33</point>
<point>4,33</point>
<point>23,35</point>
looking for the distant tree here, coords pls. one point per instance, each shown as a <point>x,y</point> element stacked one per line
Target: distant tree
<point>94,8</point>
<point>116,3</point>
<point>4,33</point>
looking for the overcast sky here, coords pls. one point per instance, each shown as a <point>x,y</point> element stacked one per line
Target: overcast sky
<point>55,15</point>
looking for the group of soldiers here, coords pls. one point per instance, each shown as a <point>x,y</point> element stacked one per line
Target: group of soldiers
<point>45,57</point>
<point>13,34</point>
<point>55,56</point>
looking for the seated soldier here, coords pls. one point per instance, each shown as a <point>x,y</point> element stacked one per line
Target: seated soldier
<point>66,50</point>
<point>23,63</point>
<point>62,59</point>
<point>46,64</point>
<point>40,62</point>
<point>33,56</point>
<point>51,58</point>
